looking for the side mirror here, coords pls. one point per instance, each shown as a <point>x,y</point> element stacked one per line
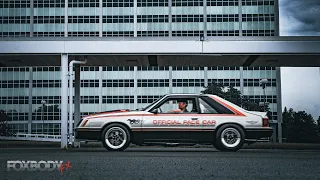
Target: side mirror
<point>155,111</point>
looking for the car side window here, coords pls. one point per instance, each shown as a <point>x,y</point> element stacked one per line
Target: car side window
<point>206,108</point>
<point>168,106</point>
<point>173,105</point>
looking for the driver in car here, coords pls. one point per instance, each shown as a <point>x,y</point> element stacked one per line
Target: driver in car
<point>182,107</point>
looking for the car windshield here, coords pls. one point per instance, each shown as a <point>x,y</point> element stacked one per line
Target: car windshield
<point>145,108</point>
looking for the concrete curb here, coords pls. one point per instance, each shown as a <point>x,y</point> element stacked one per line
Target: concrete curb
<point>31,144</point>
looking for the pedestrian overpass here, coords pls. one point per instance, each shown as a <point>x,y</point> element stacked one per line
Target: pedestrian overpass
<point>214,51</point>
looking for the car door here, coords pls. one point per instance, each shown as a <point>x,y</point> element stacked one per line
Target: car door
<point>161,124</point>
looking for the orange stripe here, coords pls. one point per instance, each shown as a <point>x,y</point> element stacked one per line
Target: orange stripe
<point>238,113</point>
<point>182,114</point>
<point>170,129</point>
<point>118,111</point>
<point>84,124</point>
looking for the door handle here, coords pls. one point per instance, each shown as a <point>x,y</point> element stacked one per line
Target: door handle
<point>194,118</point>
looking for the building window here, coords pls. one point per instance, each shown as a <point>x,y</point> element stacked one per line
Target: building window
<point>223,18</point>
<point>117,99</point>
<point>117,19</point>
<point>188,82</point>
<point>187,68</point>
<point>257,17</point>
<point>49,4</point>
<point>225,82</point>
<point>153,82</point>
<point>117,3</point>
<point>255,82</point>
<point>222,2</point>
<point>153,68</point>
<point>89,99</point>
<point>258,33</point>
<point>187,18</point>
<point>147,99</point>
<point>15,4</point>
<point>152,3</point>
<point>14,84</point>
<point>257,2</point>
<point>83,3</point>
<point>116,68</point>
<point>187,2</point>
<point>118,83</point>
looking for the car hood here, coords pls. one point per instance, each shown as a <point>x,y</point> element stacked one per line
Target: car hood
<point>118,112</point>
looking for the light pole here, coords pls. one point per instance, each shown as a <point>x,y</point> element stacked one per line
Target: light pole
<point>263,83</point>
<point>42,109</point>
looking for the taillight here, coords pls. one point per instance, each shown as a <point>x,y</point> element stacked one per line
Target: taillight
<point>265,122</point>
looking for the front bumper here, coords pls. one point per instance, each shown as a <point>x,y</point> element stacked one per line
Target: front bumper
<point>88,134</point>
<point>259,133</point>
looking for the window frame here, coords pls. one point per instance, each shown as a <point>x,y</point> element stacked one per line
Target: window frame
<point>194,99</point>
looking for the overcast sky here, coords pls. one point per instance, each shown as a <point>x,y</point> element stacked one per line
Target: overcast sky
<point>300,86</point>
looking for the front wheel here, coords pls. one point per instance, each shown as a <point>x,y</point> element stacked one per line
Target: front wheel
<point>115,137</point>
<point>230,137</point>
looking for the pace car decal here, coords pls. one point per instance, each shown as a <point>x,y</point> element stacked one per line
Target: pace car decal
<point>134,121</point>
<point>184,122</point>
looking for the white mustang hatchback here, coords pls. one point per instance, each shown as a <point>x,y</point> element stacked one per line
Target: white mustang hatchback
<point>178,119</point>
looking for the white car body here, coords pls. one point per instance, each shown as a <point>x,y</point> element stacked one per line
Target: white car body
<point>150,126</point>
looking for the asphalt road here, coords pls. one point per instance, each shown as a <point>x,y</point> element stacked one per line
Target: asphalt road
<point>166,163</point>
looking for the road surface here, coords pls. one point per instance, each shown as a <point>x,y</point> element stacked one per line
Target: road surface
<point>166,163</point>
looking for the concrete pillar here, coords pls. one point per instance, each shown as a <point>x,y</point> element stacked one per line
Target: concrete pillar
<point>77,95</point>
<point>170,79</point>
<point>277,17</point>
<point>205,18</point>
<point>100,18</point>
<point>241,83</point>
<point>100,87</point>
<point>30,100</point>
<point>135,20</point>
<point>205,76</point>
<point>31,17</point>
<point>135,88</point>
<point>279,103</point>
<point>64,101</point>
<point>66,19</point>
<point>240,17</point>
<point>241,80</point>
<point>170,17</point>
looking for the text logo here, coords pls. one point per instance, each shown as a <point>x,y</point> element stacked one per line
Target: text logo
<point>38,166</point>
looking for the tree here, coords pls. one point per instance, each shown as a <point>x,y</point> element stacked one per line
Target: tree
<point>234,95</point>
<point>318,125</point>
<point>50,108</point>
<point>5,130</point>
<point>299,127</point>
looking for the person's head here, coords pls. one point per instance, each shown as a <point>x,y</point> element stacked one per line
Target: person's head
<point>183,104</point>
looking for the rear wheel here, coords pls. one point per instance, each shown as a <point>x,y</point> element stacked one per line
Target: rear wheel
<point>230,137</point>
<point>115,137</point>
<point>216,146</point>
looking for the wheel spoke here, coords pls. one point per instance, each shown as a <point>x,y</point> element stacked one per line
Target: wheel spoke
<point>230,137</point>
<point>115,137</point>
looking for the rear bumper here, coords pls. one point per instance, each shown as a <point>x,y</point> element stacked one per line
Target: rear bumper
<point>259,133</point>
<point>88,134</point>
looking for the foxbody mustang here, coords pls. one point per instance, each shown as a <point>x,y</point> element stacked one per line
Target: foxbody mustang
<point>177,119</point>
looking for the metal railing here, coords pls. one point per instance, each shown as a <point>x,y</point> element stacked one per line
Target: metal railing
<point>33,137</point>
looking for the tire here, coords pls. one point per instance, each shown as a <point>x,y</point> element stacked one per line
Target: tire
<point>119,137</point>
<point>216,146</point>
<point>230,137</point>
